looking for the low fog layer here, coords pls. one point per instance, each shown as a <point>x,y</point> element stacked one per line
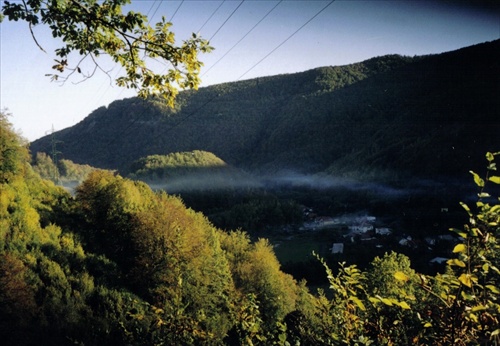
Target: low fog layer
<point>200,182</point>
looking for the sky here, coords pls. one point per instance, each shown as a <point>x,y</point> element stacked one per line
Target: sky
<point>251,38</point>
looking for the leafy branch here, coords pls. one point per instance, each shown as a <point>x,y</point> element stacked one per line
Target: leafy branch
<point>91,29</point>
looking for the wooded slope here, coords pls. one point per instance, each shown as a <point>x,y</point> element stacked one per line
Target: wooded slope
<point>429,115</point>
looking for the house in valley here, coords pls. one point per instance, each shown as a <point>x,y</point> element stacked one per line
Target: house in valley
<point>338,248</point>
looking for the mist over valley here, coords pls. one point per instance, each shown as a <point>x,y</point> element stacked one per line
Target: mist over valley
<point>391,137</point>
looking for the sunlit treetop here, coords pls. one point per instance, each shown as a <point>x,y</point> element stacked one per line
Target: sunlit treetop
<point>89,29</point>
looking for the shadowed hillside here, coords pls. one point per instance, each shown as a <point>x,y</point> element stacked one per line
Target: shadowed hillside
<point>430,115</point>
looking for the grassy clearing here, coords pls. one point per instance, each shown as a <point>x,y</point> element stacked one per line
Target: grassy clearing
<point>299,247</point>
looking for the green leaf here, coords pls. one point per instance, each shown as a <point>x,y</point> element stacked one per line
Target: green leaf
<point>467,296</point>
<point>479,308</point>
<point>460,232</point>
<point>358,302</point>
<point>386,301</point>
<point>477,179</point>
<point>493,289</point>
<point>401,276</point>
<point>475,231</point>
<point>459,248</point>
<point>456,262</point>
<point>466,207</point>
<point>465,279</point>
<point>495,269</point>
<point>404,305</point>
<point>495,179</point>
<point>495,332</point>
<point>489,156</point>
<point>473,317</point>
<point>427,325</point>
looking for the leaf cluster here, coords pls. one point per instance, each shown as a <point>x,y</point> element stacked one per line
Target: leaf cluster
<point>90,29</point>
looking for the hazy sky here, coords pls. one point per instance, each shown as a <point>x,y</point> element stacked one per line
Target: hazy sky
<point>294,36</point>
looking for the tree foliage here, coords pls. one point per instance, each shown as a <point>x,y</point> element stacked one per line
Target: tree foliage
<point>121,264</point>
<point>13,150</point>
<point>158,167</point>
<point>90,29</point>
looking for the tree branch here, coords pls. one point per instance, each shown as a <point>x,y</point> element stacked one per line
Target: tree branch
<point>31,30</point>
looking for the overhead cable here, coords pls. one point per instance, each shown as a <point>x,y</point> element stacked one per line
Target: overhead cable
<point>286,40</point>
<point>213,13</point>
<point>236,9</point>
<point>154,13</point>
<point>171,18</point>
<point>241,39</point>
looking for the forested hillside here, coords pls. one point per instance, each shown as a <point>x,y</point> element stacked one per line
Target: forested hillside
<point>428,115</point>
<point>158,167</point>
<point>119,264</point>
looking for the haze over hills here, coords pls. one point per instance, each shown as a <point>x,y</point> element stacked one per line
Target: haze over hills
<point>426,116</point>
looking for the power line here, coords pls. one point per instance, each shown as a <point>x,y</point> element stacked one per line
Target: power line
<point>286,40</point>
<point>171,18</point>
<point>152,5</point>
<point>241,39</point>
<point>123,132</point>
<point>154,13</point>
<point>195,111</point>
<point>236,9</point>
<point>213,13</point>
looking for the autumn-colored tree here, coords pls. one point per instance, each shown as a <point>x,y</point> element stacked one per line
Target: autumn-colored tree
<point>178,262</point>
<point>256,271</point>
<point>107,203</point>
<point>392,285</point>
<point>169,254</point>
<point>44,166</point>
<point>13,150</point>
<point>17,300</point>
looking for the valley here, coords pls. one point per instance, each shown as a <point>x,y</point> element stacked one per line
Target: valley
<point>300,214</point>
<point>392,138</point>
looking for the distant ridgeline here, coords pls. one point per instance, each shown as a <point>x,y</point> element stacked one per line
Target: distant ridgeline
<point>428,115</point>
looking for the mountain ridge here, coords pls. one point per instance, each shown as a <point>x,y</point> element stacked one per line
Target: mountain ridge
<point>421,115</point>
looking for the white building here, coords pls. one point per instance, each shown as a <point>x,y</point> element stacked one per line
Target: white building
<point>338,248</point>
<point>383,231</point>
<point>362,228</point>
